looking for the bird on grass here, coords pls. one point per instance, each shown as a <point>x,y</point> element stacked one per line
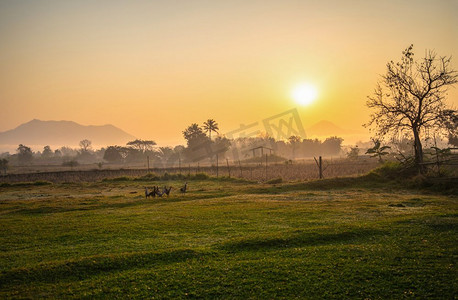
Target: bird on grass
<point>183,189</point>
<point>166,190</point>
<point>150,194</point>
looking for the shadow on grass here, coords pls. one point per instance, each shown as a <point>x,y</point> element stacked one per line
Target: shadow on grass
<point>444,227</point>
<point>301,240</point>
<point>90,266</point>
<point>367,181</point>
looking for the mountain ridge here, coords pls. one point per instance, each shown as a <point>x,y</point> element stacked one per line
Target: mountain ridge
<point>63,133</point>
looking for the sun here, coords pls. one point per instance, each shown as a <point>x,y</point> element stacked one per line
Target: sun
<point>304,94</point>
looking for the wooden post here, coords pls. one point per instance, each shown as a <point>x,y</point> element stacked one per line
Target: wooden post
<point>217,165</point>
<point>319,163</point>
<point>228,168</point>
<point>179,164</point>
<point>321,168</point>
<point>240,165</point>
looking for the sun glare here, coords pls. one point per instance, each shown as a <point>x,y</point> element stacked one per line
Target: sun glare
<point>304,94</point>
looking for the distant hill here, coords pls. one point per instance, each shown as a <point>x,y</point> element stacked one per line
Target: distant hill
<point>327,128</point>
<point>62,133</point>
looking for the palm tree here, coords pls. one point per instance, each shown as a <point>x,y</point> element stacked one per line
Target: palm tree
<point>211,125</point>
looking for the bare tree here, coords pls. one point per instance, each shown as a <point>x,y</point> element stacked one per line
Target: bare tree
<point>409,99</point>
<point>85,145</point>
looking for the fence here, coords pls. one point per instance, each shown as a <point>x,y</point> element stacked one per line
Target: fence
<point>289,171</point>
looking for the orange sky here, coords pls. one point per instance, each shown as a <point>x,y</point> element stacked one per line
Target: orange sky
<point>154,67</point>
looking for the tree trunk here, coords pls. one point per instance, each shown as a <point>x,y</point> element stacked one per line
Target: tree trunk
<point>418,150</point>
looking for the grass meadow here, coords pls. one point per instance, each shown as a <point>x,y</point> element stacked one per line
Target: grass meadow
<point>335,238</point>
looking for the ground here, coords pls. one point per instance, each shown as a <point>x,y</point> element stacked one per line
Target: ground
<point>227,239</point>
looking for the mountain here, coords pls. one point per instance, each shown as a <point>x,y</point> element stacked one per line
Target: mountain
<point>327,128</point>
<point>62,133</point>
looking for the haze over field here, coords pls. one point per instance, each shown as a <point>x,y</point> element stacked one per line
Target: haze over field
<point>38,133</point>
<point>152,68</point>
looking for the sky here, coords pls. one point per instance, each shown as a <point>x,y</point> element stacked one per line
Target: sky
<point>152,68</point>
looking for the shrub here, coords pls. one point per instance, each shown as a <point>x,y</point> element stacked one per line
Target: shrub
<point>389,169</point>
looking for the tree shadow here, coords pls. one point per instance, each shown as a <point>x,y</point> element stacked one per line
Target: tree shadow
<point>301,240</point>
<point>90,266</point>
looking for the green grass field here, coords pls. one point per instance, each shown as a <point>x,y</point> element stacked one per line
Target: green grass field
<point>227,239</point>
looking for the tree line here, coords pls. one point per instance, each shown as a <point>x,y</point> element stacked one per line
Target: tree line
<point>200,146</point>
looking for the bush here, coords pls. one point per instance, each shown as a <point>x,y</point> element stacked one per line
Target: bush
<point>148,177</point>
<point>396,170</point>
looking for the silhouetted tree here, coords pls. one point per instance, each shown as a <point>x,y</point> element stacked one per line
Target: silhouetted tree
<point>47,152</point>
<point>353,153</point>
<point>24,154</point>
<point>142,145</point>
<point>194,133</point>
<point>198,144</point>
<point>113,154</point>
<point>221,145</point>
<point>211,125</point>
<point>67,151</point>
<point>85,145</point>
<point>410,98</point>
<point>294,141</point>
<point>332,146</point>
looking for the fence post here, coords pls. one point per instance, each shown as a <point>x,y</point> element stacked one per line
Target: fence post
<point>217,165</point>
<point>319,163</point>
<point>179,164</point>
